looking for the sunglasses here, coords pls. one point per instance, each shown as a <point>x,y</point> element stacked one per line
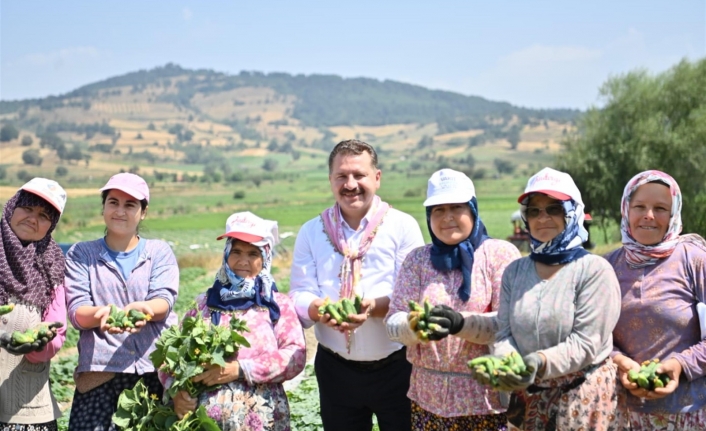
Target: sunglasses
<point>551,210</point>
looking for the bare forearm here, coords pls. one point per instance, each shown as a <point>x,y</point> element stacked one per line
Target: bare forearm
<point>382,305</point>
<point>85,316</point>
<point>160,307</point>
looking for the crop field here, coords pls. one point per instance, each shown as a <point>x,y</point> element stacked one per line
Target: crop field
<point>191,216</point>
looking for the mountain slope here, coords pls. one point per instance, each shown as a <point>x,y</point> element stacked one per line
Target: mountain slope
<point>320,100</point>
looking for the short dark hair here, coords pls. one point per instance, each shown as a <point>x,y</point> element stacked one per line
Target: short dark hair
<point>353,147</point>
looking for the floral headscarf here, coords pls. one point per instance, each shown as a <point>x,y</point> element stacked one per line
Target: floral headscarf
<point>565,247</point>
<point>233,292</point>
<point>29,272</point>
<point>639,255</point>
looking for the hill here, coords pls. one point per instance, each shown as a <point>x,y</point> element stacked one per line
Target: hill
<point>202,125</point>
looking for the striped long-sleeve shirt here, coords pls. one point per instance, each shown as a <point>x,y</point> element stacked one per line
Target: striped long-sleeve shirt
<point>93,280</point>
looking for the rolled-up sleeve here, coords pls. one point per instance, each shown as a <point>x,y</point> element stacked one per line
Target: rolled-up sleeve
<point>164,278</point>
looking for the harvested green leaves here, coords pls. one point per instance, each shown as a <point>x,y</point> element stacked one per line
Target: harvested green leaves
<point>187,351</point>
<point>182,352</point>
<point>138,410</point>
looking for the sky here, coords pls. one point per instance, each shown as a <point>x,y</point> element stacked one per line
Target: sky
<point>538,54</point>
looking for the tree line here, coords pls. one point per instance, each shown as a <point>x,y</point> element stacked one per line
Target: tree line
<point>646,122</point>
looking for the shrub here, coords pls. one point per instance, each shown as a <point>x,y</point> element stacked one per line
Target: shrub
<point>269,165</point>
<point>240,194</point>
<point>61,171</point>
<point>479,174</point>
<point>32,157</point>
<point>8,132</point>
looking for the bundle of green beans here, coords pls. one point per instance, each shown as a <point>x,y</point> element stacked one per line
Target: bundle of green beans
<point>340,309</point>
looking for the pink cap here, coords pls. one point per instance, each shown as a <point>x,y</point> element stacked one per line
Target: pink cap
<point>129,183</point>
<point>252,229</point>
<point>49,190</point>
<point>553,183</point>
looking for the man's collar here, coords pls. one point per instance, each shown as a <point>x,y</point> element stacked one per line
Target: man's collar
<point>363,222</point>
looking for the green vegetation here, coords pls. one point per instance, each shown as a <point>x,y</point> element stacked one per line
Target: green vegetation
<point>61,376</point>
<point>8,132</point>
<point>194,215</point>
<point>304,404</point>
<point>647,122</point>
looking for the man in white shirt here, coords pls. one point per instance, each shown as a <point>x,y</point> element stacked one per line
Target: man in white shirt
<point>354,248</point>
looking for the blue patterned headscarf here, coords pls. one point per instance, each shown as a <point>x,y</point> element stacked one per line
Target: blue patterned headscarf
<point>446,257</point>
<point>232,292</point>
<point>565,247</point>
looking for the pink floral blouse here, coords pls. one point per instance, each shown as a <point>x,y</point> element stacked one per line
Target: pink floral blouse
<point>441,382</point>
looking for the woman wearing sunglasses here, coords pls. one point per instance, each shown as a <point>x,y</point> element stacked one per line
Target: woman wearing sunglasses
<point>558,307</point>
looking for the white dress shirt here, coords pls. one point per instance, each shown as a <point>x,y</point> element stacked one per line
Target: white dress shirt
<point>315,274</point>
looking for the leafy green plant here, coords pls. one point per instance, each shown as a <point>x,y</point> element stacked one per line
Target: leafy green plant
<point>138,410</point>
<point>63,422</point>
<point>305,411</point>
<point>61,377</point>
<point>72,336</point>
<point>187,351</point>
<point>182,352</point>
<point>192,281</point>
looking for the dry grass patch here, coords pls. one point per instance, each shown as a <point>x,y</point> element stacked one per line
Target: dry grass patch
<point>208,260</point>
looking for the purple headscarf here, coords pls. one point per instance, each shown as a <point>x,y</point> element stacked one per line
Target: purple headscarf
<point>29,271</point>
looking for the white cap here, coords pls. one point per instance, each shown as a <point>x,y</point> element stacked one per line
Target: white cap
<point>49,190</point>
<point>252,229</point>
<point>447,186</point>
<point>558,185</point>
